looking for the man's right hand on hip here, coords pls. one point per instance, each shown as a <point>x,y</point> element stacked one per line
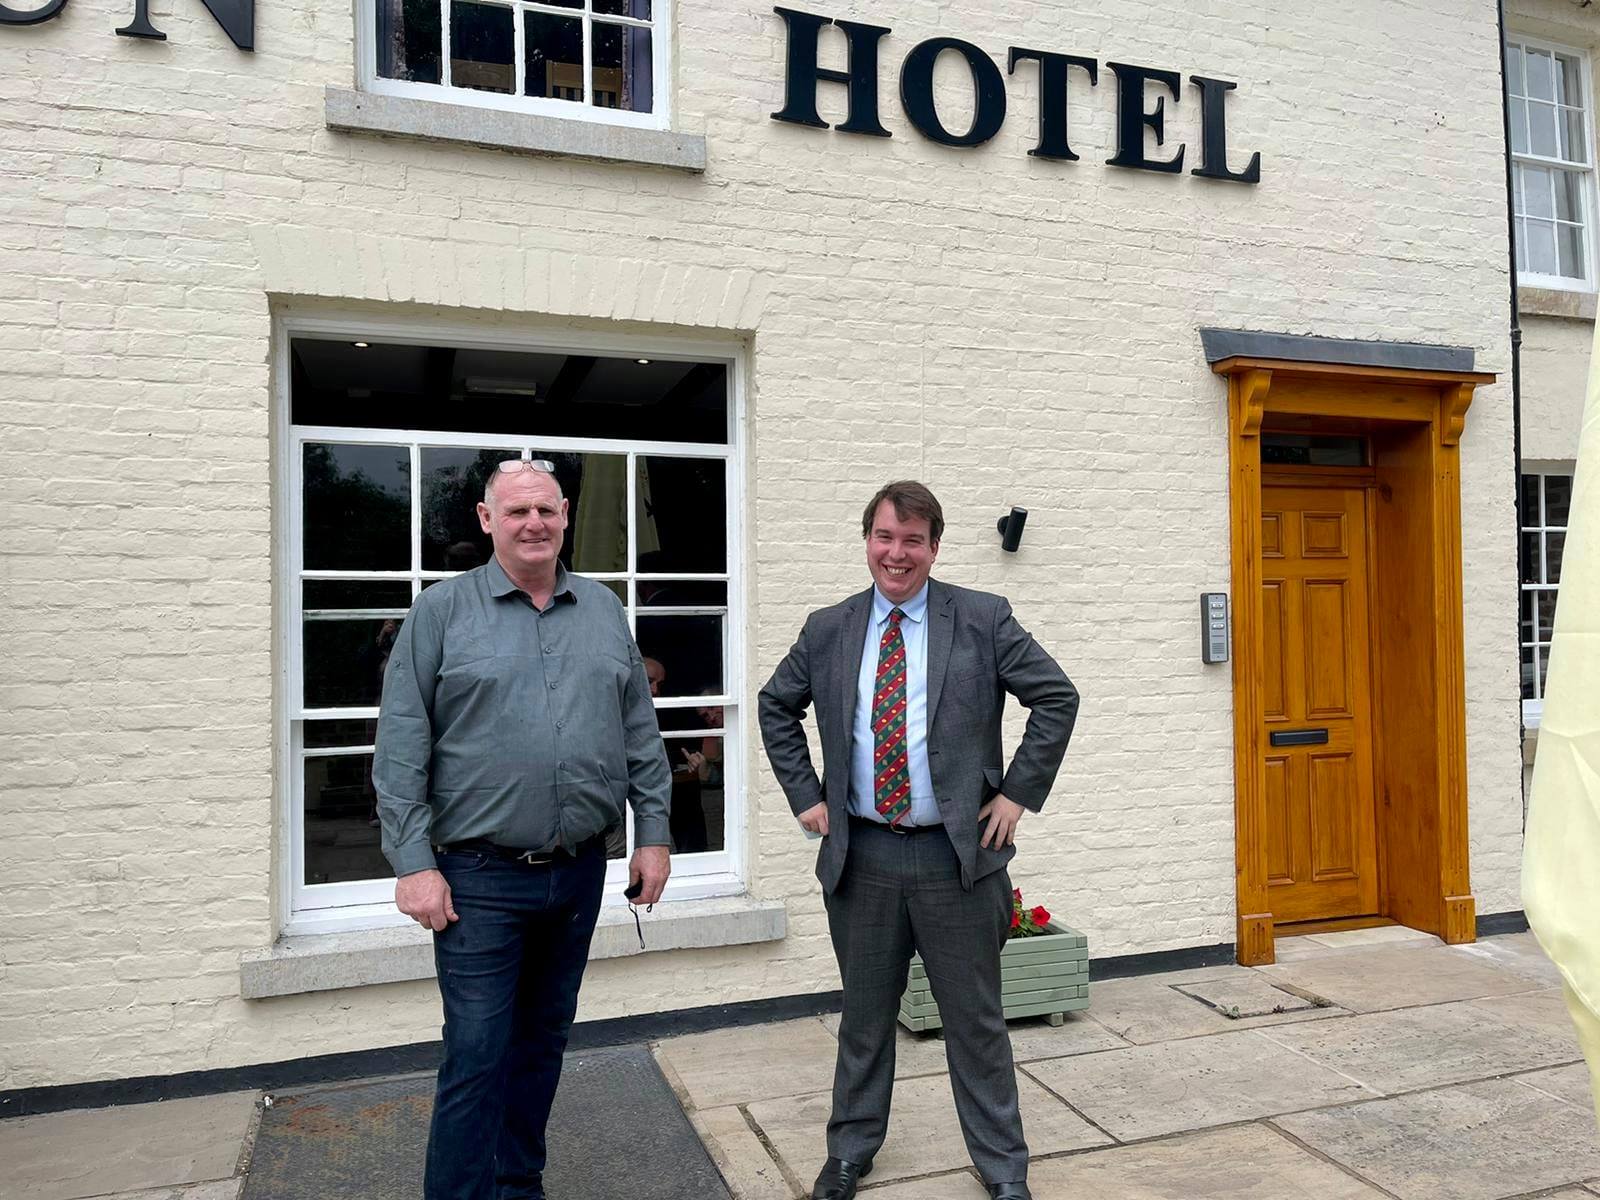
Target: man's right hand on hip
<point>424,896</point>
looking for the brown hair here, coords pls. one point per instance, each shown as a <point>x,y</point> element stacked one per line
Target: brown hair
<point>911,500</point>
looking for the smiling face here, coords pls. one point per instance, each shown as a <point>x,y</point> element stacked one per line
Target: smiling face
<point>526,517</point>
<point>900,553</point>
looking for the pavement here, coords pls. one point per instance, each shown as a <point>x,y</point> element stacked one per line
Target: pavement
<point>1374,1063</point>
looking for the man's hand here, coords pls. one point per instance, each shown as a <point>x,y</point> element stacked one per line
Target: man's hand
<point>424,896</point>
<point>815,819</point>
<point>1002,816</point>
<point>652,864</point>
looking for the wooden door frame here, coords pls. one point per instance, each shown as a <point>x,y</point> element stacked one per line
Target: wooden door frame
<point>1421,415</point>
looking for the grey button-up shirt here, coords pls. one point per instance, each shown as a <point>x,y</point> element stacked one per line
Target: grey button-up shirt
<point>527,728</point>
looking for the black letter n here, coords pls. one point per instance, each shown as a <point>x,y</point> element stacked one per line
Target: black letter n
<point>801,73</point>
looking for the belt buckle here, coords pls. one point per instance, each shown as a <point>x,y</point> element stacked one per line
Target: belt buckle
<point>535,858</point>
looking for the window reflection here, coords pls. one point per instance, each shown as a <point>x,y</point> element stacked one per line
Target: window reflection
<point>342,838</point>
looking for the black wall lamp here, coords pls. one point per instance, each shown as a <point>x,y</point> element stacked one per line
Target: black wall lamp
<point>1011,529</point>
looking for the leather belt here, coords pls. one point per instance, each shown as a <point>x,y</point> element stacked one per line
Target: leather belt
<point>529,858</point>
<point>897,830</point>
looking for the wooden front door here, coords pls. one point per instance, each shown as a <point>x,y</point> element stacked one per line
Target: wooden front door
<point>1322,859</point>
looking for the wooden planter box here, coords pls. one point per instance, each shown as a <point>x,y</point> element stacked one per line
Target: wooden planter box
<point>1046,975</point>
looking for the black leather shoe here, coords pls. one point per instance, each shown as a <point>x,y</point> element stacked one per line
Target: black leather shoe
<point>839,1178</point>
<point>1009,1191</point>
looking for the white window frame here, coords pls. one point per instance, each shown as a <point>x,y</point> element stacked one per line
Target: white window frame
<point>660,26</point>
<point>1533,710</point>
<point>333,907</point>
<point>1587,189</point>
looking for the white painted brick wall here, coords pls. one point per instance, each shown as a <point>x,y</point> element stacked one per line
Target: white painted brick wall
<point>1011,330</point>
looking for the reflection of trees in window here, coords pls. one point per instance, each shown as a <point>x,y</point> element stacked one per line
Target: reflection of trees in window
<point>354,520</point>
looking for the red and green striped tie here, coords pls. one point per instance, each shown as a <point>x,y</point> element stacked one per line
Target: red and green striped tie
<point>892,776</point>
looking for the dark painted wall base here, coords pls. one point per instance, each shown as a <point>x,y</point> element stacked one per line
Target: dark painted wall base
<point>424,1056</point>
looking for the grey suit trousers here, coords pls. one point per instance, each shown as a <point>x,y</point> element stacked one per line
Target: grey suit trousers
<point>901,892</point>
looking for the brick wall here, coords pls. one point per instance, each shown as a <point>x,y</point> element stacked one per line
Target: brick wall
<point>1013,331</point>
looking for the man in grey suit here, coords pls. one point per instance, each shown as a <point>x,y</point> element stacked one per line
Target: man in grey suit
<point>918,819</point>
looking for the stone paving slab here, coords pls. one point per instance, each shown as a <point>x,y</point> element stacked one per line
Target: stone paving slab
<point>1250,1162</point>
<point>744,1162</point>
<point>1413,1048</point>
<point>924,1136</point>
<point>1399,976</point>
<point>1237,999</point>
<point>1477,1141</point>
<point>220,1189</point>
<point>1518,953</point>
<point>1152,1009</point>
<point>755,1062</point>
<point>1544,1010</point>
<point>95,1152</point>
<point>1565,1083</point>
<point>1170,1087</point>
<point>923,1054</point>
<point>964,1186</point>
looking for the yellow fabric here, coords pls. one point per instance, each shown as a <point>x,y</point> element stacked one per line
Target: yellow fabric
<point>1561,853</point>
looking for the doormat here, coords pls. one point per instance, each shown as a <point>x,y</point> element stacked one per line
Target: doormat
<point>617,1130</point>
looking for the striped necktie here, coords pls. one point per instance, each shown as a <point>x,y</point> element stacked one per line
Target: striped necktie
<point>892,776</point>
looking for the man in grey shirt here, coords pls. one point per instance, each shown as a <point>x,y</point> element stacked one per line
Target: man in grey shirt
<point>516,720</point>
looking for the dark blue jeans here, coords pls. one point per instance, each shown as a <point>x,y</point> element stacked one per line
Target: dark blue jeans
<point>509,972</point>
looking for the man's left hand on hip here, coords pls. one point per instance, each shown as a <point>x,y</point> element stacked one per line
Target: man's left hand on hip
<point>652,865</point>
<point>1001,816</point>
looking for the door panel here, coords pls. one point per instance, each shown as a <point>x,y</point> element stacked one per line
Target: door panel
<point>1321,827</point>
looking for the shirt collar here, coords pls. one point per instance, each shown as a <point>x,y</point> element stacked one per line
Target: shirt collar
<point>500,583</point>
<point>915,608</point>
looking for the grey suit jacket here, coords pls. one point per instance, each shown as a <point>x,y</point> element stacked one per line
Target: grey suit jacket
<point>977,652</point>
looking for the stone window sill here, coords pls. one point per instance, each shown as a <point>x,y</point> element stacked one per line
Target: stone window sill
<point>403,116</point>
<point>1551,302</point>
<point>328,961</point>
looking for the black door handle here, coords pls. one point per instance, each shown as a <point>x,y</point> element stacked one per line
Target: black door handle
<point>1300,737</point>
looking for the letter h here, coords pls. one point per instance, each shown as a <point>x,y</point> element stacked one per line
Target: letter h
<point>802,73</point>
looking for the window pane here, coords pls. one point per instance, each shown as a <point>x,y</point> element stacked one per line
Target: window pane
<point>596,488</point>
<point>452,485</point>
<point>678,593</point>
<point>1536,197</point>
<point>1529,657</point>
<point>698,795</point>
<point>1542,138</point>
<point>345,660</point>
<point>1542,256</point>
<point>1554,543</point>
<point>1569,80</point>
<point>342,841</point>
<point>408,40</point>
<point>357,593</point>
<point>554,47</point>
<point>1514,81</point>
<point>1544,668</point>
<point>521,393</point>
<point>1545,599</point>
<point>1519,126</point>
<point>482,47</point>
<point>689,650</point>
<point>682,516</point>
<point>1569,195</point>
<point>1541,83</point>
<point>1573,147</point>
<point>1557,499</point>
<point>1522,244</point>
<point>354,732</point>
<point>623,68</point>
<point>1529,629</point>
<point>638,9</point>
<point>1569,243</point>
<point>1530,500</point>
<point>357,508</point>
<point>1530,558</point>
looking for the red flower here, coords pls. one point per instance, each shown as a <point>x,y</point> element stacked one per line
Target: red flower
<point>1016,919</point>
<point>1016,894</point>
<point>1041,916</point>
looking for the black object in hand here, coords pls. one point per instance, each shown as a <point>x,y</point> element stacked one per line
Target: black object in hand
<point>634,890</point>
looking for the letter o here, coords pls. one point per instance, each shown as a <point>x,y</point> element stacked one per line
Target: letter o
<point>916,92</point>
<point>31,16</point>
